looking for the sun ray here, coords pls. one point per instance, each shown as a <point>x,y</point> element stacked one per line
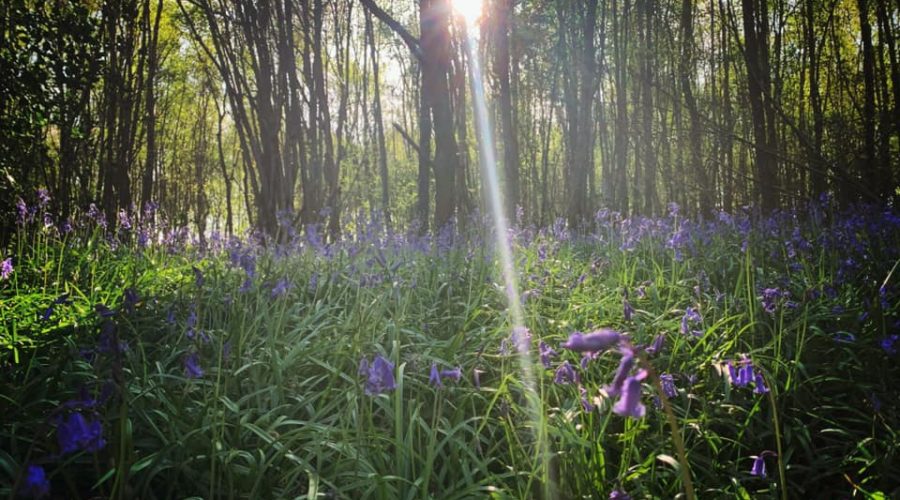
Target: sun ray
<point>470,10</point>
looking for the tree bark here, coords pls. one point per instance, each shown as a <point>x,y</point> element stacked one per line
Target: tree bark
<point>379,125</point>
<point>502,15</point>
<point>757,63</point>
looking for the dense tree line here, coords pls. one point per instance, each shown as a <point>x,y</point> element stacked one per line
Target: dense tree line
<point>240,113</point>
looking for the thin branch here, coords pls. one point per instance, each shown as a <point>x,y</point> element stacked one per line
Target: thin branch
<point>411,41</point>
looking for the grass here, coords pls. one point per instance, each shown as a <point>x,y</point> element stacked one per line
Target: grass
<point>280,410</point>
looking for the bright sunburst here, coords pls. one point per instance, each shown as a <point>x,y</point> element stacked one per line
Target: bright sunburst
<point>470,10</point>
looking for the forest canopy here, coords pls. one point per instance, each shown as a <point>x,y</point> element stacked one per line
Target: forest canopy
<point>233,114</point>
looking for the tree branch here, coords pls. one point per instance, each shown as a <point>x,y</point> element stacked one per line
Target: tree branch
<point>411,41</point>
<point>409,140</point>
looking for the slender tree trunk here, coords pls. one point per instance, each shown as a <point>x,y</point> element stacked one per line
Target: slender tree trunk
<point>757,75</point>
<point>379,125</point>
<point>686,70</point>
<point>819,174</point>
<point>727,119</point>
<point>867,160</point>
<point>648,148</point>
<point>150,111</point>
<point>502,15</point>
<point>620,30</point>
<point>423,181</point>
<point>229,221</point>
<point>435,29</point>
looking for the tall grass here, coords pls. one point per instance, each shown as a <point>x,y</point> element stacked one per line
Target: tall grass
<point>279,328</point>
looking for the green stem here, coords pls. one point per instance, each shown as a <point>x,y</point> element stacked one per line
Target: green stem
<point>777,424</point>
<point>673,428</point>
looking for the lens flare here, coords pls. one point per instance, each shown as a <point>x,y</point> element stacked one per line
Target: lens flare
<point>545,473</point>
<point>470,10</point>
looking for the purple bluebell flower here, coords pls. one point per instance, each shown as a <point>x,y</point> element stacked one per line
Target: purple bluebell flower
<point>246,286</point>
<point>619,495</point>
<point>759,383</point>
<point>191,322</point>
<point>625,366</point>
<point>248,264</point>
<point>596,341</point>
<point>759,463</point>
<point>204,337</point>
<point>883,297</point>
<point>641,292</point>
<point>434,378</point>
<point>47,313</point>
<point>690,316</point>
<point>96,215</point>
<point>192,365</point>
<point>889,344</point>
<point>546,352</point>
<point>504,347</point>
<point>454,374</point>
<point>759,466</point>
<point>586,359</point>
<point>43,197</point>
<point>629,403</point>
<point>6,268</point>
<point>627,310</point>
<point>741,373</point>
<point>769,299</point>
<point>22,212</point>
<point>78,433</point>
<point>667,381</point>
<point>150,208</point>
<point>363,367</point>
<point>565,374</point>
<point>673,209</point>
<point>656,346</point>
<point>379,375</point>
<point>143,238</point>
<point>36,484</point>
<point>281,288</point>
<point>585,403</point>
<point>124,220</point>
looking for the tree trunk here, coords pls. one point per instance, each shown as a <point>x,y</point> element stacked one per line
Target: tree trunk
<point>757,74</point>
<point>435,29</point>
<point>685,73</point>
<point>867,160</point>
<point>620,31</point>
<point>648,149</point>
<point>502,15</point>
<point>379,125</point>
<point>150,111</point>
